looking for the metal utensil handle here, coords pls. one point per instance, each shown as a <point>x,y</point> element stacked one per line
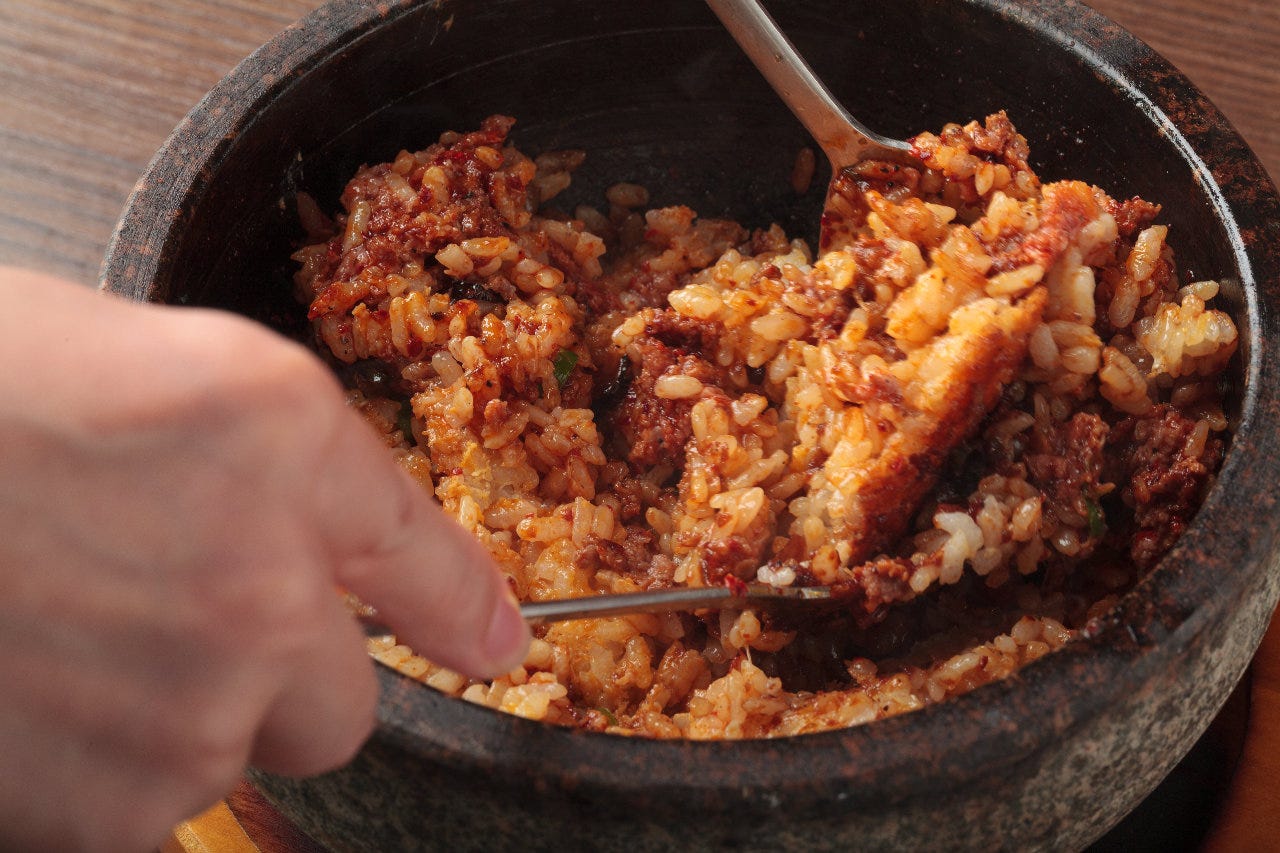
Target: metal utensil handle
<point>840,135</point>
<point>662,600</point>
<point>654,601</point>
<point>541,612</point>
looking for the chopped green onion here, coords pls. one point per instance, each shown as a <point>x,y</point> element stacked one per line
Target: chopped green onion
<point>1097,520</point>
<point>565,361</point>
<point>405,422</point>
<point>608,715</point>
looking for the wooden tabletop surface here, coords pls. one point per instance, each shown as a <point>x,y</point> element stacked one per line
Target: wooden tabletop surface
<point>90,88</point>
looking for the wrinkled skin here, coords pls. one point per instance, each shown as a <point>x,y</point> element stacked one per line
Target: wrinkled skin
<point>181,494</point>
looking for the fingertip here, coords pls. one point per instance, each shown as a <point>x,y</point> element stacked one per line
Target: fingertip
<point>439,589</point>
<point>476,632</point>
<point>506,639</point>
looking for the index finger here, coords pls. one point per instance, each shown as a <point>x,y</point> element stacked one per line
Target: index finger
<point>429,579</point>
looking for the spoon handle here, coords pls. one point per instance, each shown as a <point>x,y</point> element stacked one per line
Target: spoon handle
<point>652,601</point>
<point>844,140</point>
<point>663,600</point>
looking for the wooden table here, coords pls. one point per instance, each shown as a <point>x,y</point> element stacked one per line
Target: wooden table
<point>90,88</point>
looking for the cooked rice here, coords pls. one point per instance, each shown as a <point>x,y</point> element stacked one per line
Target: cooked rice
<point>981,413</point>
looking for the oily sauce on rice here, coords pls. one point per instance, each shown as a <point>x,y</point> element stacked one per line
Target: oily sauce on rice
<point>981,413</point>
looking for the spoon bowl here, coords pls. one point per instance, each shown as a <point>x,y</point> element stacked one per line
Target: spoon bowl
<point>845,140</point>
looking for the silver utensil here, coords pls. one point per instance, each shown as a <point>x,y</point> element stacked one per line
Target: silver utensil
<point>676,598</point>
<point>845,140</point>
<point>842,137</point>
<point>752,595</point>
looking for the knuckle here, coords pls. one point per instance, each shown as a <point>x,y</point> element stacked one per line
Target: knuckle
<point>235,358</point>
<point>269,606</point>
<point>200,754</point>
<point>219,753</point>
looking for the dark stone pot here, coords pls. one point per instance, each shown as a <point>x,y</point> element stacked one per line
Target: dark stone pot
<point>658,94</point>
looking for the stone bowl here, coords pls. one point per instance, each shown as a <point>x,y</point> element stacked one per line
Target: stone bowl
<point>658,94</point>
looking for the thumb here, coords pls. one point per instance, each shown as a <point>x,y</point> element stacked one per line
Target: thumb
<point>429,579</point>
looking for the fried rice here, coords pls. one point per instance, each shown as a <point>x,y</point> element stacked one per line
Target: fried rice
<point>980,414</point>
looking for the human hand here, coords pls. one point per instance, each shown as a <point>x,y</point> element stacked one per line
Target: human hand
<point>181,492</point>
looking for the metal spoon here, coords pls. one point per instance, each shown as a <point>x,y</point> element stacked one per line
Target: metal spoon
<point>844,139</point>
<point>756,595</point>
